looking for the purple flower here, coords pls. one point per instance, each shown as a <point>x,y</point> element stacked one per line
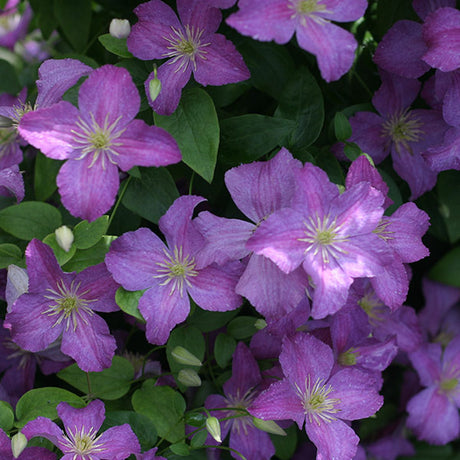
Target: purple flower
<point>140,260</point>
<point>12,183</point>
<point>310,394</point>
<point>97,139</point>
<point>240,390</point>
<point>13,25</point>
<point>278,20</point>
<point>62,305</point>
<point>29,453</point>
<point>149,455</point>
<point>80,440</point>
<point>190,45</point>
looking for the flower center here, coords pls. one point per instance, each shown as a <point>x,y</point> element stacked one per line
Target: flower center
<point>176,268</point>
<point>241,422</point>
<point>185,45</point>
<point>100,141</point>
<point>317,404</point>
<point>304,9</point>
<point>402,128</point>
<point>448,385</point>
<point>19,111</point>
<point>348,358</point>
<point>382,231</point>
<point>374,308</point>
<point>81,443</point>
<point>322,236</point>
<point>68,304</point>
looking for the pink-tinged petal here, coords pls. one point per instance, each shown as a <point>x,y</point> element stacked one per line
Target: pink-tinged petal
<point>357,392</point>
<point>376,356</point>
<point>450,110</point>
<point>278,239</point>
<point>334,440</point>
<point>12,183</point>
<point>173,77</point>
<point>447,155</point>
<point>433,417</point>
<point>147,38</point>
<point>260,188</point>
<point>198,15</point>
<point>119,443</point>
<point>133,258</point>
<point>264,20</point>
<point>90,417</point>
<point>88,191</point>
<point>144,145</point>
<point>225,239</point>
<point>90,343</point>
<point>162,310</point>
<point>272,292</point>
<point>367,129</point>
<point>305,357</point>
<point>36,453</point>
<point>55,77</point>
<point>401,50</point>
<point>424,7</point>
<point>109,95</point>
<point>50,129</point>
<point>44,427</point>
<point>343,10</point>
<point>245,372</point>
<point>451,357</point>
<point>97,286</point>
<point>10,153</point>
<point>222,64</point>
<point>333,47</point>
<point>441,32</point>
<point>426,360</point>
<point>251,442</point>
<point>177,225</point>
<point>213,288</point>
<point>279,402</point>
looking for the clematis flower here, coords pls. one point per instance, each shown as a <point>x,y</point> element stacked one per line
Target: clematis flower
<point>29,453</point>
<point>310,395</point>
<point>13,24</point>
<point>310,20</point>
<point>80,440</point>
<point>140,260</point>
<point>97,139</point>
<point>190,44</point>
<point>62,305</point>
<point>12,183</point>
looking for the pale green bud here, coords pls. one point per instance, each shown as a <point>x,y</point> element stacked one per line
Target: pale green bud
<point>183,356</point>
<point>213,427</point>
<point>269,426</point>
<point>18,444</point>
<point>64,237</point>
<point>119,28</point>
<point>189,378</point>
<point>260,324</point>
<point>154,85</point>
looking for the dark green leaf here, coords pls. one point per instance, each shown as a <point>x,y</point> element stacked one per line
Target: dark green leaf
<point>9,82</point>
<point>6,416</point>
<point>195,127</point>
<point>128,302</point>
<point>152,194</point>
<point>242,327</point>
<point>448,188</point>
<point>285,445</point>
<point>223,349</point>
<point>9,254</point>
<point>191,338</point>
<point>447,270</point>
<point>30,219</point>
<point>342,127</point>
<point>61,255</point>
<point>199,439</point>
<point>115,45</point>
<point>87,234</point>
<point>44,13</point>
<point>84,258</point>
<point>207,321</point>
<point>46,170</point>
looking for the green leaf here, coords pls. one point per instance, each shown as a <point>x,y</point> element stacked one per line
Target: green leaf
<point>207,321</point>
<point>302,101</point>
<point>342,127</point>
<point>46,170</point>
<point>44,14</point>
<point>164,406</point>
<point>223,349</point>
<point>87,234</point>
<point>151,195</point>
<point>74,17</point>
<point>9,82</point>
<point>242,327</point>
<point>191,338</point>
<point>180,449</point>
<point>199,439</point>
<point>248,137</point>
<point>9,254</point>
<point>111,383</point>
<point>30,219</point>
<point>285,445</point>
<point>128,302</point>
<point>142,426</point>
<point>43,402</point>
<point>447,270</point>
<point>195,127</point>
<point>448,188</point>
<point>115,45</point>
<point>61,256</point>
<point>6,416</point>
<point>426,451</point>
<point>84,258</point>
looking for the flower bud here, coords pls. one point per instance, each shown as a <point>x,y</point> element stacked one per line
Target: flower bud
<point>213,427</point>
<point>269,426</point>
<point>189,378</point>
<point>154,85</point>
<point>183,356</point>
<point>119,28</point>
<point>260,324</point>
<point>64,237</point>
<point>18,444</point>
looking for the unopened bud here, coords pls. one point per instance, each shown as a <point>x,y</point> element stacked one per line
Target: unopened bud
<point>269,426</point>
<point>64,237</point>
<point>154,85</point>
<point>18,444</point>
<point>213,427</point>
<point>119,28</point>
<point>183,356</point>
<point>189,378</point>
<point>260,324</point>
